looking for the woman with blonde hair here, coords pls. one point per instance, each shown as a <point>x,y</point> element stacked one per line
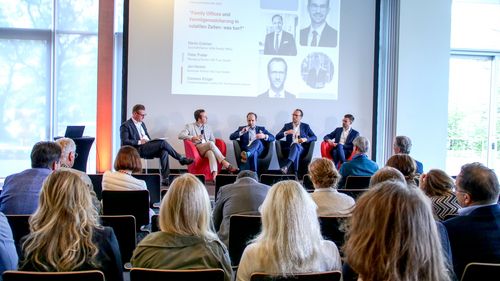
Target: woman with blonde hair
<point>385,174</point>
<point>127,161</point>
<point>65,234</point>
<point>392,235</point>
<point>186,239</point>
<point>325,179</point>
<point>406,165</point>
<point>290,241</point>
<point>438,186</point>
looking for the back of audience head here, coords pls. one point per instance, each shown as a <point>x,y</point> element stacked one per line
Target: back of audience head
<point>290,234</point>
<point>186,209</point>
<point>393,236</point>
<point>402,144</point>
<point>405,164</point>
<point>477,184</point>
<point>128,159</point>
<point>247,174</point>
<point>436,183</point>
<point>62,227</point>
<point>362,144</point>
<point>68,151</point>
<point>45,154</point>
<point>323,173</point>
<point>385,174</point>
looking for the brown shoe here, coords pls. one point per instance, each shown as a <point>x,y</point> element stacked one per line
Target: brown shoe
<point>244,157</point>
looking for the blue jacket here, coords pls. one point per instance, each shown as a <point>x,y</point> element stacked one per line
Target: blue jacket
<point>338,132</point>
<point>360,165</point>
<point>244,139</point>
<point>305,132</point>
<point>8,254</point>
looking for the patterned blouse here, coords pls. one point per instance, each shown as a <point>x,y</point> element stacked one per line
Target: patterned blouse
<point>445,205</point>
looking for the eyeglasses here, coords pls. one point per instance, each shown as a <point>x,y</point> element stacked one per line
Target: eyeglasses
<point>461,191</point>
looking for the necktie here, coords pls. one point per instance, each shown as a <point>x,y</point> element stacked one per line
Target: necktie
<point>276,42</point>
<point>314,41</point>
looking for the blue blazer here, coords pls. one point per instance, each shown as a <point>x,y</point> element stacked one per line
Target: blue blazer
<point>475,237</point>
<point>338,132</point>
<point>129,134</point>
<point>305,132</point>
<point>244,139</point>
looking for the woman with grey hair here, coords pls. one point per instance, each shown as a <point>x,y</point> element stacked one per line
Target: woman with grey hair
<point>291,240</point>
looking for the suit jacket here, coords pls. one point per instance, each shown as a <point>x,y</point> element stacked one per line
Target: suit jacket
<point>129,134</point>
<point>338,132</point>
<point>286,48</point>
<point>317,79</point>
<point>360,165</point>
<point>288,95</point>
<point>243,197</point>
<point>191,130</point>
<point>328,37</point>
<point>305,132</point>
<point>245,139</point>
<point>475,237</point>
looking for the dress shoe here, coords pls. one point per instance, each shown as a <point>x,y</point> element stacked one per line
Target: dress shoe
<point>232,169</point>
<point>185,161</point>
<point>244,157</point>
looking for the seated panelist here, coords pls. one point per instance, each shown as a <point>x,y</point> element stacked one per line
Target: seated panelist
<point>341,139</point>
<point>296,134</point>
<point>250,138</point>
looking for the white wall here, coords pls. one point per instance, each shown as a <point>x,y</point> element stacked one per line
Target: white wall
<point>422,102</point>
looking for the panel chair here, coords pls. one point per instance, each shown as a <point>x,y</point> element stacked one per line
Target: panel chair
<point>357,182</point>
<point>130,202</point>
<point>307,183</point>
<point>124,228</point>
<point>20,227</point>
<point>242,229</point>
<point>264,158</point>
<point>271,179</point>
<point>315,276</point>
<point>153,183</point>
<point>147,274</point>
<point>304,161</point>
<point>333,229</point>
<point>326,152</point>
<point>475,271</point>
<point>354,193</point>
<point>88,275</point>
<point>200,164</point>
<point>97,184</point>
<point>221,180</point>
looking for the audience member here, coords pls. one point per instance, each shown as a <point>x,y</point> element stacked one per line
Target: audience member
<point>393,236</point>
<point>65,232</point>
<point>8,253</point>
<point>291,240</point>
<point>359,165</point>
<point>186,240</point>
<point>133,132</point>
<point>201,134</point>
<point>243,197</point>
<point>21,191</point>
<point>474,234</point>
<point>385,174</point>
<point>127,161</point>
<point>402,144</point>
<point>296,134</point>
<point>342,140</point>
<point>438,186</point>
<point>325,178</point>
<point>251,138</point>
<point>68,156</point>
<point>406,165</point>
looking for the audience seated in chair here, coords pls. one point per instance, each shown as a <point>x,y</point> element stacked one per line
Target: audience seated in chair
<point>438,186</point>
<point>186,240</point>
<point>406,165</point>
<point>385,174</point>
<point>325,178</point>
<point>360,165</point>
<point>127,161</point>
<point>395,243</point>
<point>474,234</point>
<point>402,144</point>
<point>65,231</point>
<point>291,240</point>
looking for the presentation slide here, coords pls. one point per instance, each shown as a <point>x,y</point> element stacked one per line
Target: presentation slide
<point>263,49</point>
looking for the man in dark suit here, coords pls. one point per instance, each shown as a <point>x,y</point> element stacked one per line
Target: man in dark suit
<point>297,134</point>
<point>133,132</point>
<point>250,139</point>
<point>341,139</point>
<point>279,42</point>
<point>319,33</point>
<point>276,72</point>
<point>402,144</point>
<point>475,234</point>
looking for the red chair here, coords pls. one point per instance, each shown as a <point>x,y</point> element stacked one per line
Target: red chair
<point>326,152</point>
<point>200,164</point>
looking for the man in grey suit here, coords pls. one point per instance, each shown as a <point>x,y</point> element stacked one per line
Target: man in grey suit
<point>319,33</point>
<point>21,191</point>
<point>243,197</point>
